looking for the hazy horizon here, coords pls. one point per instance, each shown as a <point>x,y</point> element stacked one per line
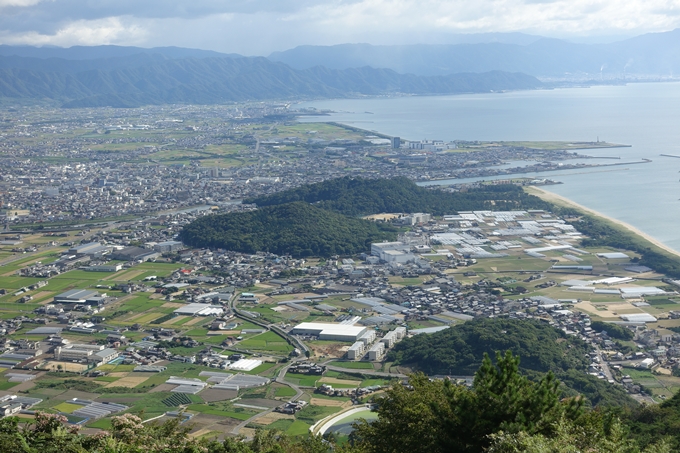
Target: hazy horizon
<point>260,28</point>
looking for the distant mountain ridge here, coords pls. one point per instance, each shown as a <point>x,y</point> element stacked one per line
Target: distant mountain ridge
<point>156,78</point>
<point>651,54</point>
<point>99,52</point>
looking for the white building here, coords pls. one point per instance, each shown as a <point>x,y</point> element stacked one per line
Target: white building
<point>379,247</point>
<point>376,352</point>
<point>393,336</point>
<point>168,246</point>
<point>356,350</point>
<point>200,310</point>
<point>328,331</point>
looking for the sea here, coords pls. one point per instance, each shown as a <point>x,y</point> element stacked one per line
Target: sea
<point>643,115</point>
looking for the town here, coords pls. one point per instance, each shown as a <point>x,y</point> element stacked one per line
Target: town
<point>104,311</point>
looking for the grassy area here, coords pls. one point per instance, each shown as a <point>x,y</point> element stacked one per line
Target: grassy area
<point>312,414</point>
<point>354,365</point>
<point>284,392</point>
<point>302,379</point>
<point>268,341</point>
<point>205,409</point>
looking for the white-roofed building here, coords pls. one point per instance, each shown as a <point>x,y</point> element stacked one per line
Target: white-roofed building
<point>245,364</point>
<point>638,317</point>
<point>639,291</point>
<point>356,350</point>
<point>197,309</point>
<point>376,352</point>
<point>328,331</point>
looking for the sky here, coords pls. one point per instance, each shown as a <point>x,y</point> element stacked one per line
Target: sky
<point>259,27</point>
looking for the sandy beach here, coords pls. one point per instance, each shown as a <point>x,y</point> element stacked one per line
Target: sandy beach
<point>557,199</point>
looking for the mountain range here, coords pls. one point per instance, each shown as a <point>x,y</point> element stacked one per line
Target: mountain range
<point>656,54</point>
<point>121,76</point>
<point>156,78</point>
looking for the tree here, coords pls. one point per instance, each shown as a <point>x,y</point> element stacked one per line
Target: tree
<point>439,416</point>
<point>570,437</point>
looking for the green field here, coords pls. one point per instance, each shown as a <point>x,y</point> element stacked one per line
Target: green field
<point>354,365</point>
<point>268,341</point>
<point>238,413</point>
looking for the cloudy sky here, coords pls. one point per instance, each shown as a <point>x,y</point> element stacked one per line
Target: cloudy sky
<point>258,27</point>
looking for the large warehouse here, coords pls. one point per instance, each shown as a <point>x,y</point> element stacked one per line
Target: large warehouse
<point>328,331</point>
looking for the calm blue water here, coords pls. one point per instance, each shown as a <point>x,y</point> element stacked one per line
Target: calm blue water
<point>646,116</point>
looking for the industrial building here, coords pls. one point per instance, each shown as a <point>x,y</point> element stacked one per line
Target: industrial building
<point>328,331</point>
<point>200,310</point>
<point>378,248</point>
<point>90,352</point>
<point>92,249</point>
<point>168,246</point>
<point>80,296</point>
<point>134,254</point>
<point>104,268</point>
<point>392,252</point>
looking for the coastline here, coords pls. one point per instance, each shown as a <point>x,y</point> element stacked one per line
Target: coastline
<point>558,199</point>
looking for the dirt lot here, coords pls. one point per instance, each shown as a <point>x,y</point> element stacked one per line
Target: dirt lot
<point>174,320</point>
<point>262,402</point>
<point>125,276</point>
<point>200,432</point>
<point>210,395</point>
<point>164,388</point>
<point>67,366</point>
<point>329,403</point>
<point>70,394</point>
<point>330,380</point>
<point>42,294</point>
<point>194,321</point>
<point>607,310</point>
<point>129,381</point>
<point>171,305</point>
<point>334,350</point>
<point>24,386</point>
<point>271,417</point>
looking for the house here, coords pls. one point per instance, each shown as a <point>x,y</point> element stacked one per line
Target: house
<point>10,408</point>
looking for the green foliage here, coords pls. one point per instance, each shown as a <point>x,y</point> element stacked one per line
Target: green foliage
<point>613,330</point>
<point>460,349</point>
<point>298,229</point>
<point>357,196</point>
<point>448,417</point>
<point>596,434</point>
<point>650,422</point>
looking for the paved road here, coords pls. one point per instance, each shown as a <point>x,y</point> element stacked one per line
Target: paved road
<point>604,365</point>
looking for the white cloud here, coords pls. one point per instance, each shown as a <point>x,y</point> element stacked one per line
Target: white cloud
<point>111,30</point>
<point>261,26</point>
<point>19,3</point>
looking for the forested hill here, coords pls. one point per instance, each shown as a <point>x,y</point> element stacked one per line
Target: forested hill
<point>320,219</point>
<point>542,348</point>
<point>298,229</point>
<point>357,197</point>
<point>152,78</point>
